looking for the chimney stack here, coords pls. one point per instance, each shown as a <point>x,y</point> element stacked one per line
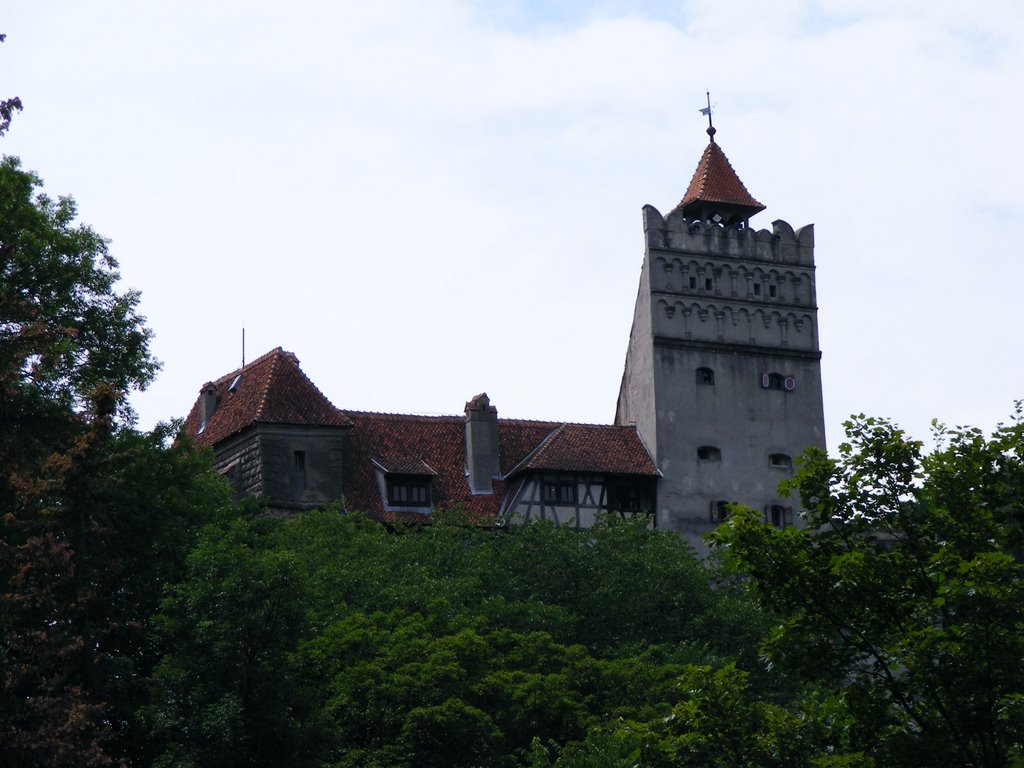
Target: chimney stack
<point>207,403</point>
<point>483,463</point>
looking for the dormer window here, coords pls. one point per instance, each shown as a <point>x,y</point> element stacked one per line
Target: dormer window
<point>408,491</point>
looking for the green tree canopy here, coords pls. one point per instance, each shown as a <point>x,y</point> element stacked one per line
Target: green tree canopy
<point>905,591</point>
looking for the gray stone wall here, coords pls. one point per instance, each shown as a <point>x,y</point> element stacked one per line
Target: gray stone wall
<point>740,303</point>
<point>260,462</point>
<point>321,448</point>
<point>238,459</point>
<point>636,392</point>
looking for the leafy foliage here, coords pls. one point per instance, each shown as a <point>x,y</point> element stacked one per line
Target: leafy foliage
<point>905,592</point>
<point>94,518</point>
<point>441,645</point>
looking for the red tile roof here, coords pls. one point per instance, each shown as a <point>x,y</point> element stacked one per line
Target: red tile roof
<point>439,441</point>
<point>272,389</point>
<point>591,448</point>
<point>715,181</point>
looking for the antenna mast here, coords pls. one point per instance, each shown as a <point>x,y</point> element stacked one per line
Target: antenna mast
<point>243,345</point>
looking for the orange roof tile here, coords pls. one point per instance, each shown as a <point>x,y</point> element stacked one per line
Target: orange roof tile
<point>715,181</point>
<point>272,389</point>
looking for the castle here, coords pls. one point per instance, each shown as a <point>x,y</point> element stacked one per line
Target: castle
<point>721,391</point>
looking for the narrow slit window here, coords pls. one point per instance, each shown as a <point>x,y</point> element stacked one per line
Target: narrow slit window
<point>299,472</point>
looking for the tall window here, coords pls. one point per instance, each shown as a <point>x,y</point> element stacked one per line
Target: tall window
<point>778,515</point>
<point>720,511</point>
<point>705,376</point>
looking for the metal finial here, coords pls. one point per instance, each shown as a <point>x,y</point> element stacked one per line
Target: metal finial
<point>707,111</point>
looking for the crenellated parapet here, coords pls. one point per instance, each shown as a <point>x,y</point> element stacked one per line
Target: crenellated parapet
<point>677,232</point>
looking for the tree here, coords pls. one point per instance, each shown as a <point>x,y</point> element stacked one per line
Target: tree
<point>95,517</point>
<point>64,329</point>
<point>904,591</point>
<point>226,694</point>
<point>8,106</point>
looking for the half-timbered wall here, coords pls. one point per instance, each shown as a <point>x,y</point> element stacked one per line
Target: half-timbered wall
<point>576,499</point>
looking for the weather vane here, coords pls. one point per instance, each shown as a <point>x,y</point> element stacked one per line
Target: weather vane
<point>707,111</point>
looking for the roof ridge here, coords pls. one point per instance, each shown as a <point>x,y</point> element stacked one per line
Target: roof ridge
<point>247,366</point>
<point>393,415</point>
<point>277,353</point>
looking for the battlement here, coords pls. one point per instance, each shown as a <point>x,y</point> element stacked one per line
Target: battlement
<point>678,233</point>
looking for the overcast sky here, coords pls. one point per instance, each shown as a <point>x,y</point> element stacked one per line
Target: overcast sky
<point>426,200</point>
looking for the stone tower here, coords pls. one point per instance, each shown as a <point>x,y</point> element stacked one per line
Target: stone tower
<point>723,374</point>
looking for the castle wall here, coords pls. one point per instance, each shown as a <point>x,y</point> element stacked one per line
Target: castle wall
<point>238,460</point>
<point>319,480</point>
<point>261,461</point>
<point>722,374</point>
<point>636,392</point>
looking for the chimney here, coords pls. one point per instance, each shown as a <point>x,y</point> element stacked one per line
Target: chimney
<point>207,403</point>
<point>483,463</point>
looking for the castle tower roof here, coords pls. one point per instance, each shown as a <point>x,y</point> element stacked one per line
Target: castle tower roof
<point>271,389</point>
<point>716,190</point>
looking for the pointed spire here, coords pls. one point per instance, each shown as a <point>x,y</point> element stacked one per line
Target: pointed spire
<point>716,192</point>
